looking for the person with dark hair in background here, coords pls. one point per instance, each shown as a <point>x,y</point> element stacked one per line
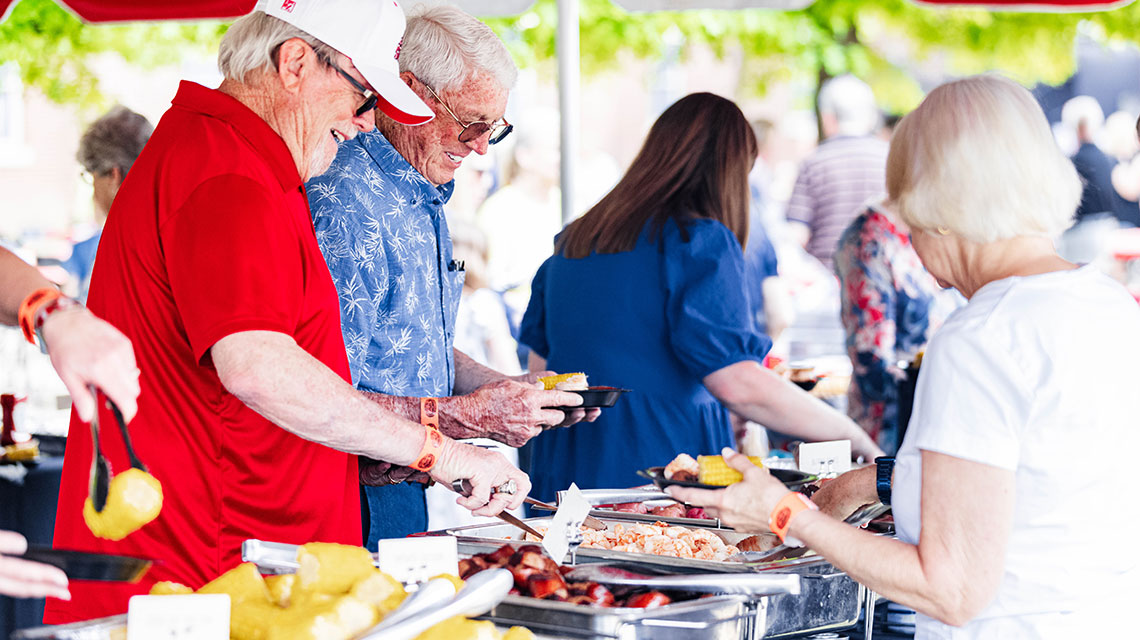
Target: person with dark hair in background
<point>661,254</point>
<point>106,151</point>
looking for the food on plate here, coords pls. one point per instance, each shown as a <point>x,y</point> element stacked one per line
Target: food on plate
<point>565,382</point>
<point>537,576</point>
<point>134,498</point>
<point>715,471</point>
<point>675,510</point>
<point>683,469</point>
<point>659,539</point>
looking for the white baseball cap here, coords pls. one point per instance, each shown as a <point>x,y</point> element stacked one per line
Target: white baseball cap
<point>370,33</point>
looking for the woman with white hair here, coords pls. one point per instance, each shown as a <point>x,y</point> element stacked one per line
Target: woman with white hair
<point>992,501</point>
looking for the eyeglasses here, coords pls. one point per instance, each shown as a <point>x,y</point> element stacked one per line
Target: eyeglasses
<point>473,130</point>
<point>370,97</point>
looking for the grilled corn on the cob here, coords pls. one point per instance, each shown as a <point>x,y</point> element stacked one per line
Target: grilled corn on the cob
<point>715,471</point>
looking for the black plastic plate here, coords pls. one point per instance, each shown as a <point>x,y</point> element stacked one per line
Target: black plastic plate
<point>79,565</point>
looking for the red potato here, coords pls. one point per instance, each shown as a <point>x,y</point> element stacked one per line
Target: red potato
<point>594,594</point>
<point>548,586</point>
<point>522,575</point>
<point>501,556</point>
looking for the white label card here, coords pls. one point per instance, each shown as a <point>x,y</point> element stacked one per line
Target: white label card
<point>418,559</point>
<point>572,511</point>
<point>825,459</point>
<point>182,617</point>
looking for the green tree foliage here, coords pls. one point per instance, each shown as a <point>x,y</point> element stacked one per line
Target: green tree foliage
<point>886,42</point>
<point>53,49</point>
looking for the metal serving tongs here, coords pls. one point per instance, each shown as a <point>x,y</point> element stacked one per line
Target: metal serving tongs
<point>100,467</point>
<point>463,487</point>
<point>135,462</point>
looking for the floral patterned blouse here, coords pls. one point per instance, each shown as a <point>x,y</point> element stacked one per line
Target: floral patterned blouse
<point>891,307</point>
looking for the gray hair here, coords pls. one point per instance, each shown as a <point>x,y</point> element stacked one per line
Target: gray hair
<point>114,140</point>
<point>251,42</point>
<point>852,103</point>
<point>444,47</point>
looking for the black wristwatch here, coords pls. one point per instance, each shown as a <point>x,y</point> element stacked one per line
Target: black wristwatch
<point>884,467</point>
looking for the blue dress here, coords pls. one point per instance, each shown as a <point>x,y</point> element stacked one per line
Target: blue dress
<point>657,320</point>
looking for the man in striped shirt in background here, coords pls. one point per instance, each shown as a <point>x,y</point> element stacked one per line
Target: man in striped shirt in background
<point>845,172</point>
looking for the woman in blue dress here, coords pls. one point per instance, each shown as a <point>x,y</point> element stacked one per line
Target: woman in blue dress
<point>646,292</point>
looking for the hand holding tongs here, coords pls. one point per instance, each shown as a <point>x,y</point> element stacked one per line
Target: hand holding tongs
<point>463,487</point>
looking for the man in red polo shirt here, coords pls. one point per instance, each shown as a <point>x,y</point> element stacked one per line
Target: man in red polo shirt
<point>210,265</point>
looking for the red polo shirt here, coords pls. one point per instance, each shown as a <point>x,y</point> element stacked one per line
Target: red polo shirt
<point>210,235</point>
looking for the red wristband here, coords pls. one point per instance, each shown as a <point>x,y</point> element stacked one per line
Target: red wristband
<point>31,305</point>
<point>782,514</point>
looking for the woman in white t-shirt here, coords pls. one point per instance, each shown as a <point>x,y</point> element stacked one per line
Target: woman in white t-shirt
<point>1011,493</point>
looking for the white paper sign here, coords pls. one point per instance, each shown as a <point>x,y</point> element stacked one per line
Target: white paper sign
<point>572,511</point>
<point>825,459</point>
<point>418,559</point>
<point>182,617</point>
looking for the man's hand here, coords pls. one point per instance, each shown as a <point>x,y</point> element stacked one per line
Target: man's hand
<point>374,473</point>
<point>486,470</point>
<point>507,410</point>
<point>88,351</point>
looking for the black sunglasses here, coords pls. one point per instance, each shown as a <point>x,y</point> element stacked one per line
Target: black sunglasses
<point>370,96</point>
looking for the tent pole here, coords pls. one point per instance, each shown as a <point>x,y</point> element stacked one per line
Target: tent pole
<point>569,101</point>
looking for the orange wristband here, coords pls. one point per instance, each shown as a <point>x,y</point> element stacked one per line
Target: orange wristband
<point>782,514</point>
<point>429,412</point>
<point>429,454</point>
<point>31,305</point>
<point>429,418</point>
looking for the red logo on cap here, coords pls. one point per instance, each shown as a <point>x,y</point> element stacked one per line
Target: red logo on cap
<point>399,45</point>
<point>288,5</point>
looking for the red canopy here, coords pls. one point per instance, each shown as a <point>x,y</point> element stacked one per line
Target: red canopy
<point>128,10</point>
<point>1039,5</point>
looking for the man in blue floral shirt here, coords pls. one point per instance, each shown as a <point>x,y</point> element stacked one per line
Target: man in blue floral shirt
<point>378,214</point>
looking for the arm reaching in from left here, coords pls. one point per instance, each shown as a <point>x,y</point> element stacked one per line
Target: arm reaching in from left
<point>84,350</point>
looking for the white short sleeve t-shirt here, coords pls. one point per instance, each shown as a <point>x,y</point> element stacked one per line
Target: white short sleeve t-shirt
<point>1040,375</point>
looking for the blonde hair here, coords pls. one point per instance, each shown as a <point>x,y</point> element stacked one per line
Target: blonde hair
<point>977,157</point>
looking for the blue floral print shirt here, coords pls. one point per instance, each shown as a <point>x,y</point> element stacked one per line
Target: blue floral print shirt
<point>381,227</point>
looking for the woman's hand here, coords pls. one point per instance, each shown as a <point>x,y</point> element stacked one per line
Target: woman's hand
<point>744,506</point>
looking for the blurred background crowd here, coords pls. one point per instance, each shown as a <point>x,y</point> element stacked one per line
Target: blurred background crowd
<point>832,277</point>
